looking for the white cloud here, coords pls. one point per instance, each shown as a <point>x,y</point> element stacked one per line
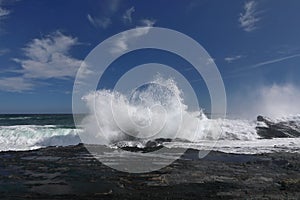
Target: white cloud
<point>233,58</point>
<point>49,57</point>
<point>249,18</point>
<point>45,58</point>
<point>241,71</point>
<point>103,22</point>
<point>107,9</point>
<point>273,61</point>
<point>271,101</point>
<point>121,44</point>
<point>147,22</point>
<point>15,84</point>
<point>4,12</point>
<point>127,17</point>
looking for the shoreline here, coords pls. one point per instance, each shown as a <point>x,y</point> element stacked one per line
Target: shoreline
<point>70,173</point>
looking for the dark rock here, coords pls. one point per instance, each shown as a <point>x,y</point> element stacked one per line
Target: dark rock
<point>157,142</point>
<point>276,130</point>
<point>78,175</point>
<point>260,118</point>
<point>150,146</point>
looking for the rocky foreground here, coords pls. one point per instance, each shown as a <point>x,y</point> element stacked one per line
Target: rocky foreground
<point>71,173</point>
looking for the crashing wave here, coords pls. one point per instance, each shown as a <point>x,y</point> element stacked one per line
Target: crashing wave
<point>155,111</point>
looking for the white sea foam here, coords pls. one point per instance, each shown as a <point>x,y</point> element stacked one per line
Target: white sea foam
<point>26,137</point>
<point>114,116</point>
<point>14,118</point>
<point>156,110</point>
<point>244,147</point>
<point>239,136</point>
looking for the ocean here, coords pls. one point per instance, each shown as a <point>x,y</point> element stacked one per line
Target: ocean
<point>33,131</point>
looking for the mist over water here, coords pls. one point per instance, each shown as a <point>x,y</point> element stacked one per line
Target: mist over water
<point>276,101</point>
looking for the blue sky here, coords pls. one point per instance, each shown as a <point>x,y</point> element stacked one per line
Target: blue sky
<point>255,45</point>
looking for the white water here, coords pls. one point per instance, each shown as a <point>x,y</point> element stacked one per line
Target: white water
<point>26,137</point>
<point>244,147</point>
<point>239,137</point>
<point>114,116</point>
<point>155,111</point>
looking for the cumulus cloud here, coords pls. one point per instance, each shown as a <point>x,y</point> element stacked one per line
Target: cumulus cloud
<point>271,101</point>
<point>249,18</point>
<point>44,58</point>
<point>127,17</point>
<point>49,57</point>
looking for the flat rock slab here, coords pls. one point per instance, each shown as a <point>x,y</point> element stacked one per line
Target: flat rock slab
<point>72,173</point>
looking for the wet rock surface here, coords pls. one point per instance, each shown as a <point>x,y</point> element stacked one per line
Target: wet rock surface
<point>149,146</point>
<point>282,129</point>
<point>72,173</point>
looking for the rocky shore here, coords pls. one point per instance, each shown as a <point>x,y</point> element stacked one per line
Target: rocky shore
<point>268,129</point>
<point>71,173</point>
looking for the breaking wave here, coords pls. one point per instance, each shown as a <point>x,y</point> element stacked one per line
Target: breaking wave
<point>26,137</point>
<point>152,111</point>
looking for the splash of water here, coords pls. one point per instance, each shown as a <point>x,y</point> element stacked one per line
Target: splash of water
<point>154,110</point>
